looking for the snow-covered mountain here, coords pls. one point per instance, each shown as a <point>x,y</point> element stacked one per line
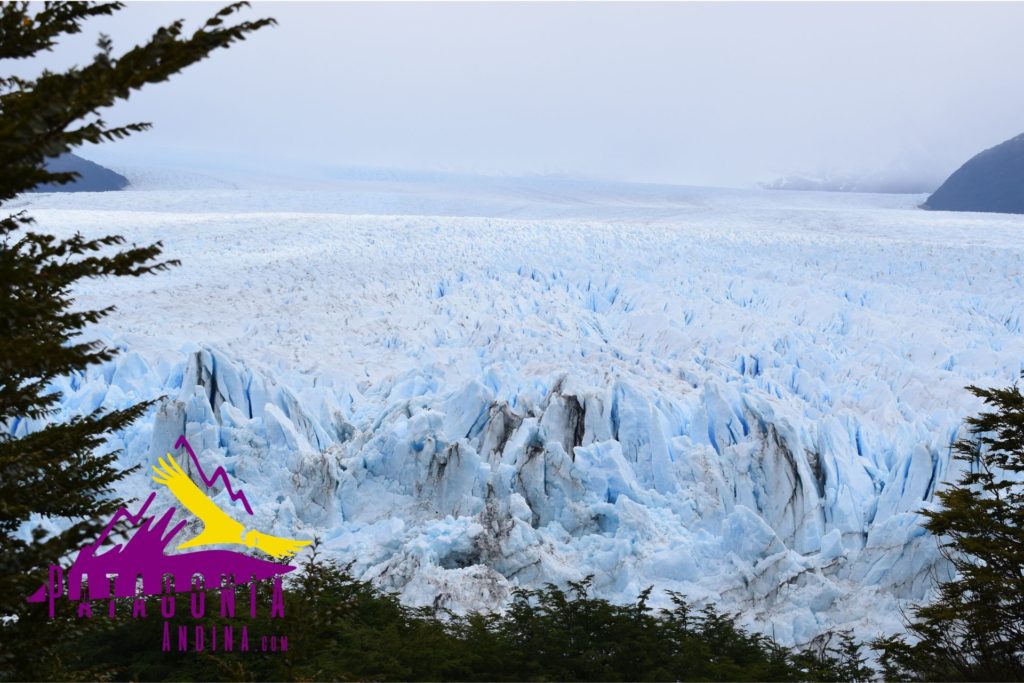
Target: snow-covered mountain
<point>916,171</point>
<point>878,183</point>
<point>741,396</point>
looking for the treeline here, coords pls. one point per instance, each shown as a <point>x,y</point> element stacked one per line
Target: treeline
<point>339,628</point>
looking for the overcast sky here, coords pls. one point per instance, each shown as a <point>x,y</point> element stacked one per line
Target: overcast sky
<point>724,93</point>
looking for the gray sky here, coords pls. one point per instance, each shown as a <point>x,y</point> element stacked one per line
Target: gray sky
<point>725,93</point>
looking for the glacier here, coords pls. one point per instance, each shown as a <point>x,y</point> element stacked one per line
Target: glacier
<point>462,387</point>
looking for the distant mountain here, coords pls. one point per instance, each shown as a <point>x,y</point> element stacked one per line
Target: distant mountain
<point>910,173</point>
<point>869,183</point>
<point>992,181</point>
<point>92,176</point>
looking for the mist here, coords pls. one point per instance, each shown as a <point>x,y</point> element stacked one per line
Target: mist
<point>688,93</point>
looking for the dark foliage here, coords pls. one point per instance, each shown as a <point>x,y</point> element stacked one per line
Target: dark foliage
<point>51,469</point>
<point>339,628</point>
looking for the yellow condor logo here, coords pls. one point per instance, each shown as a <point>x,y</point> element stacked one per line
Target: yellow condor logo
<point>218,527</point>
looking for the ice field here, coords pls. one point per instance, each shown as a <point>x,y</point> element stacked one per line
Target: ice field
<point>467,385</point>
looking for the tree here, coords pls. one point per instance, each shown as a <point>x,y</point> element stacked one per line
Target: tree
<point>975,628</point>
<point>60,470</point>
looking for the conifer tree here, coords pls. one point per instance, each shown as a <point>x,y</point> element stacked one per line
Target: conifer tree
<point>975,628</point>
<point>61,469</point>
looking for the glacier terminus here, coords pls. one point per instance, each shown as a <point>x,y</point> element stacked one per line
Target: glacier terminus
<point>742,396</point>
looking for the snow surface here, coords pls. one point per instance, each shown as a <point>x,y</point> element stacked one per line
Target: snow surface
<point>464,386</point>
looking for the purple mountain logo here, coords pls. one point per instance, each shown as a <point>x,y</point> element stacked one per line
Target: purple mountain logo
<point>144,565</point>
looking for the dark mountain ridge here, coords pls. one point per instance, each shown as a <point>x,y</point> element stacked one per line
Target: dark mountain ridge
<point>92,176</point>
<point>992,181</point>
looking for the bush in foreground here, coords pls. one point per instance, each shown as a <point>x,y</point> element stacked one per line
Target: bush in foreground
<point>340,628</point>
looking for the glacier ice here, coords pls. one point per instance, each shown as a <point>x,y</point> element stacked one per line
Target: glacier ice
<point>741,396</point>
